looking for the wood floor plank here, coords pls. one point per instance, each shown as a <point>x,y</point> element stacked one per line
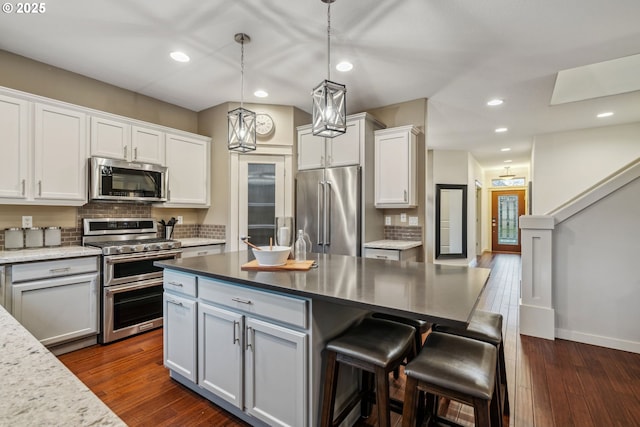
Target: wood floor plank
<point>551,383</point>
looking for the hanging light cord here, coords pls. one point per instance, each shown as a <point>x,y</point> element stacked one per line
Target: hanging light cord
<point>328,40</point>
<point>241,71</point>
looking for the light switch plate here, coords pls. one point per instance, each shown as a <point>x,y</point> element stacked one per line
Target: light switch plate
<point>387,220</point>
<point>413,220</point>
<point>179,218</point>
<point>403,217</point>
<point>27,221</point>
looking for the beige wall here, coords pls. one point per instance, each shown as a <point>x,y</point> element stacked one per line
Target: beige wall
<point>27,75</point>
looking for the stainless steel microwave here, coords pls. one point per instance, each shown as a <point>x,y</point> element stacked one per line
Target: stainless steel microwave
<point>122,181</point>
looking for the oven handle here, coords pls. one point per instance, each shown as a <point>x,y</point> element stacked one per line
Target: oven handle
<point>112,290</point>
<point>117,259</point>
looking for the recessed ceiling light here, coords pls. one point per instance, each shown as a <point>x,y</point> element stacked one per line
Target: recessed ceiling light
<point>179,56</point>
<point>505,149</point>
<point>605,114</point>
<point>500,130</point>
<point>344,66</point>
<point>508,161</point>
<point>261,93</point>
<point>495,102</point>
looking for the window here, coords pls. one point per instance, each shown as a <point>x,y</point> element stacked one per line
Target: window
<point>512,182</point>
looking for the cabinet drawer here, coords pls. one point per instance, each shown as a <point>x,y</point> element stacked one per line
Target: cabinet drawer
<point>269,305</point>
<point>57,268</point>
<point>201,250</point>
<point>180,282</point>
<point>382,254</point>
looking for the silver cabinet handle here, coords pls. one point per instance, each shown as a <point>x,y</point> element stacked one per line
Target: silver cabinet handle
<point>59,270</point>
<point>327,233</point>
<point>175,284</point>
<point>135,153</point>
<point>175,302</point>
<point>235,338</point>
<point>381,256</point>
<point>242,301</point>
<point>405,195</point>
<point>203,253</point>
<point>24,182</point>
<point>125,152</point>
<point>40,188</point>
<point>249,330</point>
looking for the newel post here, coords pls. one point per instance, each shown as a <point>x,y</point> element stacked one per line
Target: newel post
<point>537,316</point>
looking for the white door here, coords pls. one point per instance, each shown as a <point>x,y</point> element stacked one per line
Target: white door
<point>276,374</point>
<point>261,196</point>
<point>110,138</point>
<point>180,335</point>
<point>148,145</point>
<point>220,350</point>
<point>14,128</point>
<point>188,163</point>
<point>60,154</point>
<point>58,310</point>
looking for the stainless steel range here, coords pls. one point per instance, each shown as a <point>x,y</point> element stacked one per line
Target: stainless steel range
<point>131,300</point>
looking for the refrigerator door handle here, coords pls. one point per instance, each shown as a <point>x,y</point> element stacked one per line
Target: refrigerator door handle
<point>320,216</point>
<point>327,234</point>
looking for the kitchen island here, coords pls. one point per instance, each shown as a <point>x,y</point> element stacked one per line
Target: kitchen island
<point>251,341</point>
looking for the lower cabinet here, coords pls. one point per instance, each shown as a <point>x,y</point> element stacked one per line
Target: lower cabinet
<point>245,346</point>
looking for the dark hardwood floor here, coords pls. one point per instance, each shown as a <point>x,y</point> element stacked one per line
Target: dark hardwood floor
<point>551,383</point>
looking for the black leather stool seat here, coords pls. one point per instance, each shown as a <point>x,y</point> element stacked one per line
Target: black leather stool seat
<point>456,363</point>
<point>458,368</point>
<point>376,347</point>
<point>374,341</point>
<point>419,325</point>
<point>484,326</point>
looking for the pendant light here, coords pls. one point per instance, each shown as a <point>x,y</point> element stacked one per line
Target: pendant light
<point>506,174</point>
<point>242,122</point>
<point>329,98</point>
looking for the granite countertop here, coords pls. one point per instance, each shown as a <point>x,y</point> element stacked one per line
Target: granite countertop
<point>437,293</point>
<point>200,241</point>
<point>38,390</point>
<point>399,245</point>
<point>41,254</point>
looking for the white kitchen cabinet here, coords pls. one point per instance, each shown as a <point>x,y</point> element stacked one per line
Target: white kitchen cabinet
<point>188,168</point>
<point>317,152</point>
<point>118,139</point>
<point>60,155</point>
<point>179,334</point>
<point>192,251</point>
<point>57,301</point>
<point>396,167</point>
<point>14,134</point>
<point>391,254</point>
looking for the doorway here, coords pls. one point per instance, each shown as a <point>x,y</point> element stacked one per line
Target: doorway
<point>506,208</point>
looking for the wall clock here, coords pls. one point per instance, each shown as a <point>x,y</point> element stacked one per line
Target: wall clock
<point>264,124</point>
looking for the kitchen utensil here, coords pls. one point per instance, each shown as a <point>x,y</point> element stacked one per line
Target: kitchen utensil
<point>249,243</point>
<point>276,255</point>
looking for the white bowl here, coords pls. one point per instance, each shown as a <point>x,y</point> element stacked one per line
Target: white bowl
<point>276,256</point>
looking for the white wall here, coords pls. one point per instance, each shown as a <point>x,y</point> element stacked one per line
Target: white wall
<point>568,163</point>
<point>596,284</point>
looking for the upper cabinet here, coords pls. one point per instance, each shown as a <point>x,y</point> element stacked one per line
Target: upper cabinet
<point>120,140</point>
<point>396,167</point>
<point>14,134</point>
<point>316,152</point>
<point>188,164</point>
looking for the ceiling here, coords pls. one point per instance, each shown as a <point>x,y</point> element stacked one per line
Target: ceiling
<point>457,53</point>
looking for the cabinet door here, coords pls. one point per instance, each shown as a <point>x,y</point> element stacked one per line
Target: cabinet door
<point>188,163</point>
<point>276,374</point>
<point>220,350</point>
<point>58,310</point>
<point>179,335</point>
<point>110,138</point>
<point>148,145</point>
<point>344,150</point>
<point>60,154</point>
<point>311,150</point>
<point>14,137</point>
<point>395,168</point>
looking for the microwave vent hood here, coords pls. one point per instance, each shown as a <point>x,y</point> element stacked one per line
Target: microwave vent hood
<point>112,180</point>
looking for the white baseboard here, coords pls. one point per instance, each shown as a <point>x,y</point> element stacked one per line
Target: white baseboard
<point>537,321</point>
<point>599,340</point>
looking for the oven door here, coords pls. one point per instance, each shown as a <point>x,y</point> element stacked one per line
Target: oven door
<point>130,309</point>
<point>121,269</point>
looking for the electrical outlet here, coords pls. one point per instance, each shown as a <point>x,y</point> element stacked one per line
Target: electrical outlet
<point>403,217</point>
<point>387,220</point>
<point>413,220</point>
<point>27,222</point>
<point>179,217</point>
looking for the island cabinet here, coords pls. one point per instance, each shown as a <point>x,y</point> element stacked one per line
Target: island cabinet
<point>253,352</point>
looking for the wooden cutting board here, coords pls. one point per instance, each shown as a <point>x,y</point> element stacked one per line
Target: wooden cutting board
<point>291,265</point>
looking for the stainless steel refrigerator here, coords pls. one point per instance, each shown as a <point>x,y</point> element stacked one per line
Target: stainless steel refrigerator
<point>328,209</point>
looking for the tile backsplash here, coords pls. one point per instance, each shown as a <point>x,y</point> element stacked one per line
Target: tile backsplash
<point>393,232</point>
<point>71,236</point>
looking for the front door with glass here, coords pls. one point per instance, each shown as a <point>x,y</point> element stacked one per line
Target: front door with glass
<point>506,208</point>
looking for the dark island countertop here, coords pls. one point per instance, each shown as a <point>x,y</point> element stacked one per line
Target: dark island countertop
<point>437,293</point>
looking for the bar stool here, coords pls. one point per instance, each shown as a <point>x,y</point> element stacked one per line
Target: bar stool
<point>375,346</point>
<point>456,368</point>
<point>420,326</point>
<point>486,326</point>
